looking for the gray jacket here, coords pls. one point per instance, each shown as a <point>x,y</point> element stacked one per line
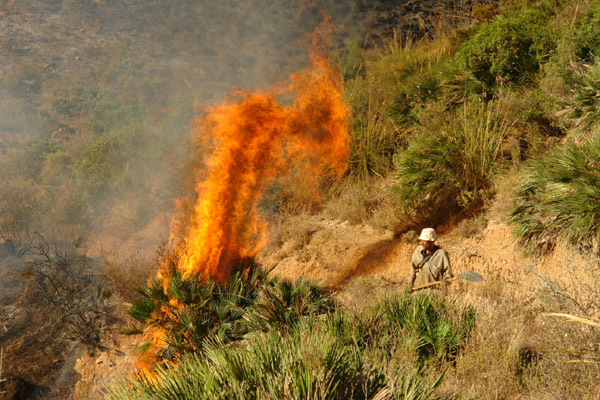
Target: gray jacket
<point>436,268</point>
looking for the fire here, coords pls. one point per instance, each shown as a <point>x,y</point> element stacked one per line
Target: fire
<point>249,145</point>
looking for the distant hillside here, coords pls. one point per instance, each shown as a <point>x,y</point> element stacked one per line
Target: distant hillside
<point>95,94</point>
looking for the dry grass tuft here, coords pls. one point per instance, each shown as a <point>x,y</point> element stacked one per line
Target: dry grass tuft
<point>365,202</point>
<point>471,227</point>
<point>126,275</point>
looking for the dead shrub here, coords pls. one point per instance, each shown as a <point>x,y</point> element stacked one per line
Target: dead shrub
<point>471,227</point>
<point>365,202</point>
<point>61,279</point>
<point>126,275</point>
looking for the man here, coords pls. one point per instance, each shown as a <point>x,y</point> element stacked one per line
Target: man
<point>430,263</point>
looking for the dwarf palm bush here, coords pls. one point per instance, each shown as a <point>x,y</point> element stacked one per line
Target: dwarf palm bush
<point>320,357</point>
<point>559,197</point>
<point>310,362</point>
<point>281,304</point>
<point>190,310</point>
<point>424,322</point>
<point>452,171</point>
<point>585,107</point>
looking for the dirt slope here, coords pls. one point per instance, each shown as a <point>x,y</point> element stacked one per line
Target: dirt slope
<point>339,253</point>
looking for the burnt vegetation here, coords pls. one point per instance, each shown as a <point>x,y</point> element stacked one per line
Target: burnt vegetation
<point>64,285</point>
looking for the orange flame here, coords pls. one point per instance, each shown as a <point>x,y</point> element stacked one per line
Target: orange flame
<point>249,144</point>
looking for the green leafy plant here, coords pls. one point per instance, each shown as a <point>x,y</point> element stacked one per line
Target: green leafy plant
<point>281,304</point>
<point>508,47</point>
<point>585,104</point>
<point>452,171</point>
<point>384,100</point>
<point>423,321</point>
<point>322,356</point>
<point>587,37</point>
<point>191,310</point>
<point>558,198</point>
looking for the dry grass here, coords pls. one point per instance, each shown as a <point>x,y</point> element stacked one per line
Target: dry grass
<point>568,358</point>
<point>541,343</point>
<point>288,236</point>
<point>128,274</point>
<point>504,188</point>
<point>489,367</point>
<point>365,202</point>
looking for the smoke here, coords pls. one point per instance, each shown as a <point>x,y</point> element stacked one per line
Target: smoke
<point>96,99</point>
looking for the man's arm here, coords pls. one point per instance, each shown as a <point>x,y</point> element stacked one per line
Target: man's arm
<point>413,272</point>
<point>446,268</point>
<point>413,276</point>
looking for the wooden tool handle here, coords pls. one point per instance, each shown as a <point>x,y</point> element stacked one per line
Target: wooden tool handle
<point>430,284</point>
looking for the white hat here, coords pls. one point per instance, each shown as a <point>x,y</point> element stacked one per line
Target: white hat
<point>428,234</point>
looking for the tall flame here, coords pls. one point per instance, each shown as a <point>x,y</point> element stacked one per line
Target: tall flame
<point>248,145</point>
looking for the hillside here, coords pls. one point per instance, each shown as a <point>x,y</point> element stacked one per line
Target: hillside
<point>362,264</point>
<point>268,229</point>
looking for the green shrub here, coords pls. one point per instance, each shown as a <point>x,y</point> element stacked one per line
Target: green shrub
<point>585,107</point>
<point>424,323</point>
<point>350,59</point>
<point>586,39</point>
<point>189,311</point>
<point>311,363</point>
<point>281,303</point>
<point>104,158</point>
<point>451,171</point>
<point>559,198</point>
<point>383,100</point>
<point>509,47</point>
<point>446,82</point>
<point>64,106</point>
<point>372,146</point>
<point>192,310</point>
<point>331,356</point>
